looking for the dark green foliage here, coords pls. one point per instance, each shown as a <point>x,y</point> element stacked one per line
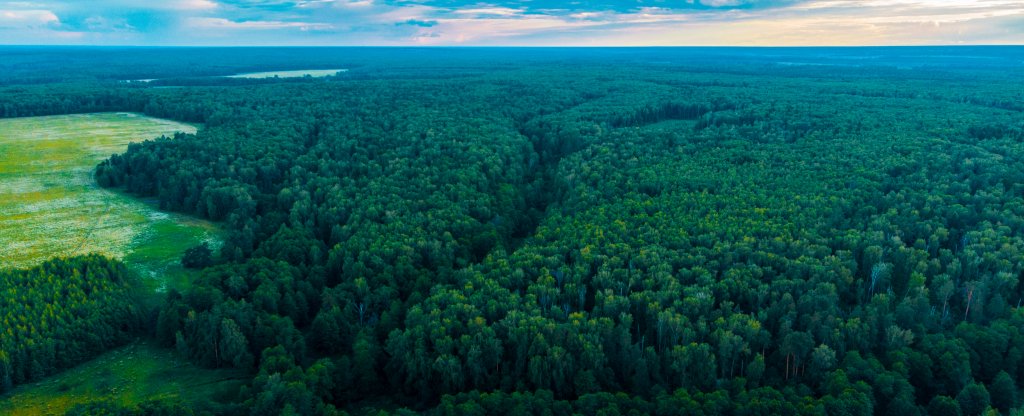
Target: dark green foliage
<point>943,406</point>
<point>198,257</point>
<point>281,387</point>
<point>1003,392</point>
<point>973,399</point>
<point>62,313</point>
<point>693,237</point>
<point>560,233</point>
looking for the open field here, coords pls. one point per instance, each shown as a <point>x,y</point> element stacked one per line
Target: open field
<point>131,374</point>
<point>50,205</point>
<point>315,73</point>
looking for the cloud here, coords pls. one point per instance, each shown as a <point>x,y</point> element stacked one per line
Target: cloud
<point>27,18</point>
<point>420,23</point>
<point>115,6</point>
<point>515,22</point>
<point>103,24</point>
<point>225,24</point>
<point>489,11</point>
<point>191,5</point>
<point>724,3</point>
<point>484,31</point>
<point>354,3</point>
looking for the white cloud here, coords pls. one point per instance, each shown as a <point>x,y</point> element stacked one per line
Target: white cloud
<point>587,15</point>
<point>365,22</point>
<point>27,18</point>
<point>392,15</point>
<point>113,6</point>
<point>193,5</point>
<point>722,3</point>
<point>824,23</point>
<point>470,30</point>
<point>489,11</point>
<point>350,4</point>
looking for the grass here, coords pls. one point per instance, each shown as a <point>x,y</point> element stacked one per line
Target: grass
<point>50,205</point>
<point>315,73</point>
<point>131,374</point>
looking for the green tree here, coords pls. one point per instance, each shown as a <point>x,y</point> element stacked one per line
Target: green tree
<point>234,347</point>
<point>1003,392</point>
<point>943,406</point>
<point>198,257</point>
<point>973,399</point>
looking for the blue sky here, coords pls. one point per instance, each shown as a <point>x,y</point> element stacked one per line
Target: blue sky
<point>518,22</point>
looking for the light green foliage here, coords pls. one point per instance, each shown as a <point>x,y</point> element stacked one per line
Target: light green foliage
<point>62,313</point>
<point>50,205</point>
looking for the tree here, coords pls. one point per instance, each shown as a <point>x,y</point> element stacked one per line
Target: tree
<point>331,331</point>
<point>5,372</point>
<point>364,361</point>
<point>973,399</point>
<point>755,371</point>
<point>234,347</point>
<point>198,257</point>
<point>823,359</point>
<point>943,406</point>
<point>1003,392</point>
<point>849,402</point>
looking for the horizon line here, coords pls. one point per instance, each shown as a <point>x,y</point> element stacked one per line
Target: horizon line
<point>515,46</point>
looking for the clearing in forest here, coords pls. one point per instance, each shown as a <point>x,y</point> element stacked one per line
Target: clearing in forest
<point>315,73</point>
<point>128,375</point>
<point>50,205</point>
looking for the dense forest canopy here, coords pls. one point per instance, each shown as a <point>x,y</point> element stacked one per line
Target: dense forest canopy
<point>62,313</point>
<point>607,231</point>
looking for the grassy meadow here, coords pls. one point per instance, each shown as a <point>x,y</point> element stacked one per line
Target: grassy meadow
<point>131,374</point>
<point>50,205</point>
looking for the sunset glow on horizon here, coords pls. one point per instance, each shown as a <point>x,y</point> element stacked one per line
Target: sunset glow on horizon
<point>513,23</point>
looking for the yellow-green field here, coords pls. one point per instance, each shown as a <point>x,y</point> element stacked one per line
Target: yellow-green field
<point>131,374</point>
<point>50,205</point>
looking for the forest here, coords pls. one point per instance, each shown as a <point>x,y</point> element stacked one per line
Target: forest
<point>61,313</point>
<point>592,232</point>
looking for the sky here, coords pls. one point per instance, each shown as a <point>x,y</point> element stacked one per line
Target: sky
<point>512,23</point>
